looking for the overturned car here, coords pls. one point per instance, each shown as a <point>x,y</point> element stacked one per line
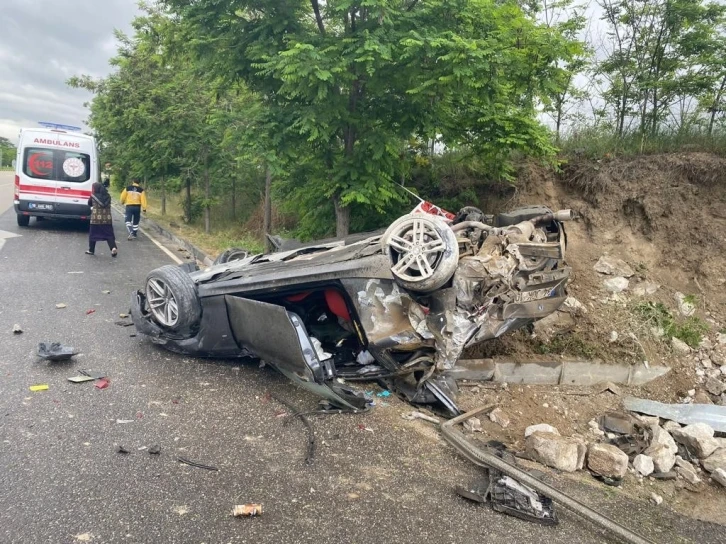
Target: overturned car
<point>399,305</point>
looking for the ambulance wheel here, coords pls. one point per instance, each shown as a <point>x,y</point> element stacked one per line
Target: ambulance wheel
<point>23,220</point>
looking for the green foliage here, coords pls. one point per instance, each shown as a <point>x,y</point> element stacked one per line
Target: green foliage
<point>569,344</point>
<point>7,152</point>
<point>355,80</point>
<point>657,315</point>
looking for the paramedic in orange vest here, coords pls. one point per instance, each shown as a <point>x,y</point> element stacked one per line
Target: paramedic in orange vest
<point>135,200</point>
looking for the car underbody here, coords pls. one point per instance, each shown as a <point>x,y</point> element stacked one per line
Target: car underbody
<point>398,307</point>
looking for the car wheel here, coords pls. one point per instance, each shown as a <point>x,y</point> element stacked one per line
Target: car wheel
<point>423,251</point>
<point>23,220</point>
<point>172,298</point>
<point>232,254</point>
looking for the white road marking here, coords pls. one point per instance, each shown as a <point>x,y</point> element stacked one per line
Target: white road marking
<point>174,258</point>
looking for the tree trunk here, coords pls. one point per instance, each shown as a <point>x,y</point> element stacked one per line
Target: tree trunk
<point>558,122</point>
<point>207,195</point>
<point>267,222</point>
<point>715,106</point>
<point>234,197</point>
<point>189,199</point>
<point>163,195</point>
<point>342,217</point>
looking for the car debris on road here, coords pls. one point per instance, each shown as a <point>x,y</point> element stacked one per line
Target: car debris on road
<point>247,510</point>
<point>55,351</point>
<point>398,305</point>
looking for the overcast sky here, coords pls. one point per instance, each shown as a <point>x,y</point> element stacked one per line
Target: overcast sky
<point>42,44</point>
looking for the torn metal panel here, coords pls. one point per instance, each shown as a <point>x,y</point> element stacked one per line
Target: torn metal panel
<point>686,414</point>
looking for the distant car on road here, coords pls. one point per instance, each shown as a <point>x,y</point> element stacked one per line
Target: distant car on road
<point>54,172</point>
<point>399,305</point>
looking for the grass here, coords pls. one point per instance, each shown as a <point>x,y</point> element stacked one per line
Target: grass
<point>570,344</point>
<point>657,315</point>
<point>596,143</point>
<point>225,232</point>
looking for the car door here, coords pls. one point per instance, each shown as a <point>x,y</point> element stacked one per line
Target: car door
<point>37,184</point>
<point>279,338</point>
<point>75,177</point>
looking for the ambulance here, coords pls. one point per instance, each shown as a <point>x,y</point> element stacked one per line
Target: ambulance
<point>54,170</point>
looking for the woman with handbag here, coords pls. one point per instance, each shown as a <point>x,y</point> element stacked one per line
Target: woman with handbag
<point>101,221</point>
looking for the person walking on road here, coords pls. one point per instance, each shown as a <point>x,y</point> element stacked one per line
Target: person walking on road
<point>135,200</point>
<point>101,221</point>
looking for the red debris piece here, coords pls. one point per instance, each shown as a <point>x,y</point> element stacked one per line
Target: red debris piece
<point>139,415</point>
<point>91,311</point>
<point>267,397</point>
<point>103,383</point>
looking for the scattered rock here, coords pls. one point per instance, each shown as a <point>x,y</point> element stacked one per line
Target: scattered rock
<point>643,464</point>
<point>671,426</point>
<point>554,324</point>
<point>691,392</point>
<point>573,305</point>
<point>723,370</point>
<point>613,337</point>
<point>645,288</point>
<point>698,437</point>
<point>595,428</point>
<point>540,427</point>
<point>719,475</point>
<point>613,266</point>
<point>679,346</point>
<point>702,398</point>
<point>648,421</point>
<point>607,460</point>
<point>656,499</point>
<point>715,461</point>
<point>706,363</point>
<point>617,284</point>
<point>17,329</point>
<point>663,457</point>
<point>688,475</point>
<point>473,425</point>
<point>705,344</point>
<point>555,451</point>
<point>661,437</point>
<point>60,306</point>
<point>714,386</point>
<point>685,307</point>
<point>499,417</point>
<point>721,338</point>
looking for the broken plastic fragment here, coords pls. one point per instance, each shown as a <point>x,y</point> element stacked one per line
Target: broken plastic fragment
<point>121,449</point>
<point>155,449</point>
<point>103,383</point>
<point>55,351</point>
<point>247,510</point>
<point>91,311</point>
<point>60,306</point>
<point>40,387</point>
<point>17,329</point>
<point>123,316</point>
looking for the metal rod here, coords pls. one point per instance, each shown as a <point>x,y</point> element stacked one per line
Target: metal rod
<point>487,460</point>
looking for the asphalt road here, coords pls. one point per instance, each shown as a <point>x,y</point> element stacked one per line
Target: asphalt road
<point>375,477</point>
<point>6,190</point>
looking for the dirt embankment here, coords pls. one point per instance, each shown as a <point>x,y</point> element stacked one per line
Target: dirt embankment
<point>665,216</point>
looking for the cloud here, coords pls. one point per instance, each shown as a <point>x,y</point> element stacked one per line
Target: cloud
<point>42,44</point>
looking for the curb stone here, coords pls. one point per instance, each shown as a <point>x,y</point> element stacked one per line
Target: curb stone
<point>197,253</point>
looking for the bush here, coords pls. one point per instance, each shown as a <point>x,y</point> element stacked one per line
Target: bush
<point>657,315</point>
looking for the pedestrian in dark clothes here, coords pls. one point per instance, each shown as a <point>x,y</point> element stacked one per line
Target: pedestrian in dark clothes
<point>101,221</point>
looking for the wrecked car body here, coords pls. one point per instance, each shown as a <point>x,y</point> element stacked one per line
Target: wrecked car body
<point>398,306</point>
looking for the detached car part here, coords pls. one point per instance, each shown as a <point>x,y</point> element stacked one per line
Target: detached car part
<point>490,461</point>
<point>399,305</point>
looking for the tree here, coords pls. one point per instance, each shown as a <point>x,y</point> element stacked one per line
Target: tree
<point>358,78</point>
<point>7,152</point>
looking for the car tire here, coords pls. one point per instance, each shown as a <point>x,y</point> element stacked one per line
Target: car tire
<point>23,220</point>
<point>172,300</point>
<point>232,254</point>
<point>423,252</point>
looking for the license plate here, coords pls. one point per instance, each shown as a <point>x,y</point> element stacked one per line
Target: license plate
<point>536,294</point>
<point>34,206</point>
